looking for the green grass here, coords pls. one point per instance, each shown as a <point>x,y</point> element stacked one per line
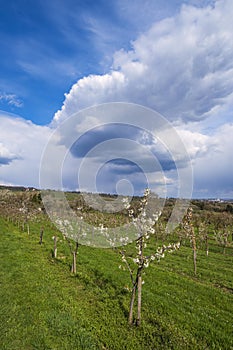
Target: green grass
<point>44,307</point>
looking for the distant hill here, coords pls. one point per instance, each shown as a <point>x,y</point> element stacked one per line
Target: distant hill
<point>16,188</point>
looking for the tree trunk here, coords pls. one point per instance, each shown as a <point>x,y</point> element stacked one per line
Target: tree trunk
<point>41,235</point>
<point>55,247</point>
<point>194,252</point>
<point>130,320</point>
<point>195,261</point>
<point>74,264</point>
<point>139,299</point>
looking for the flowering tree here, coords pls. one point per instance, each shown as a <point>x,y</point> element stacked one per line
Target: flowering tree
<point>72,239</point>
<point>144,223</point>
<point>204,236</point>
<point>190,232</point>
<point>222,237</point>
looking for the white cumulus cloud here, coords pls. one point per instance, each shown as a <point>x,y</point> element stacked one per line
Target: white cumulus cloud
<point>181,67</point>
<point>21,147</point>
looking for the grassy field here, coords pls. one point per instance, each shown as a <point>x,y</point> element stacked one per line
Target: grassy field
<point>44,307</point>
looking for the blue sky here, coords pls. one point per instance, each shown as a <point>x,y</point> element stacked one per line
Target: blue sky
<point>45,49</point>
<point>174,57</point>
<point>48,46</point>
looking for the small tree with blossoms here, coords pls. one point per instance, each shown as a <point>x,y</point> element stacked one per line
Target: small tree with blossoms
<point>144,224</point>
<point>72,231</point>
<point>190,233</point>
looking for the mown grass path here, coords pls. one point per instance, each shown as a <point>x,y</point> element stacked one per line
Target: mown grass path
<point>44,307</point>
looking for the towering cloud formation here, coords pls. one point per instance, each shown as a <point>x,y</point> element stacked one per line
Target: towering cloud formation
<point>181,67</point>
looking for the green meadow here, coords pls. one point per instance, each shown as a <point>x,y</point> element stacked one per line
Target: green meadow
<point>44,306</point>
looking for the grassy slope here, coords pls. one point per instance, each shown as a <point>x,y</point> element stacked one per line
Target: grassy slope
<point>44,307</point>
